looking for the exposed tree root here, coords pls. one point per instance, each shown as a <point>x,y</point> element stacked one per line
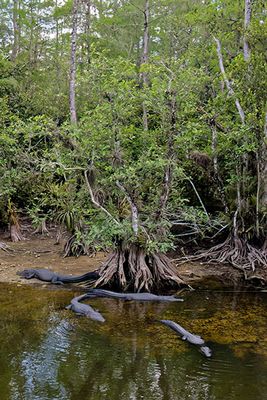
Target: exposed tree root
<point>41,229</point>
<point>239,253</point>
<point>58,236</point>
<point>132,268</point>
<point>15,233</point>
<point>5,247</point>
<point>14,225</point>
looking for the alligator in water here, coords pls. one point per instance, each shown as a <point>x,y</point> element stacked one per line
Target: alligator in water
<point>50,276</point>
<point>189,337</point>
<point>131,296</point>
<point>84,309</point>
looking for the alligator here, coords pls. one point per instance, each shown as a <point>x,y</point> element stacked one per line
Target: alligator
<point>84,309</point>
<point>206,351</point>
<point>50,276</point>
<point>131,296</point>
<point>189,337</point>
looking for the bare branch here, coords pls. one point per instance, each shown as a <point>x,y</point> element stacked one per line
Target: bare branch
<point>172,75</point>
<point>199,198</point>
<point>227,82</point>
<point>134,210</point>
<point>95,203</point>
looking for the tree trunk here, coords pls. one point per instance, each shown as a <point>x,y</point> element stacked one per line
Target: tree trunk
<point>145,60</point>
<point>72,81</point>
<point>244,161</point>
<point>15,46</point>
<point>145,41</point>
<point>247,18</point>
<point>88,30</point>
<point>57,53</point>
<point>15,233</point>
<point>214,147</point>
<point>167,179</point>
<point>31,33</point>
<point>264,167</point>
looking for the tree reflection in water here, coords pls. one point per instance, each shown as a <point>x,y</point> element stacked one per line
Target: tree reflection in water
<point>49,353</point>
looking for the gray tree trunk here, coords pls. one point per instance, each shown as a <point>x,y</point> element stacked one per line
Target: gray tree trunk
<point>264,167</point>
<point>247,18</point>
<point>145,59</point>
<point>88,30</point>
<point>15,47</point>
<point>72,81</point>
<point>57,51</point>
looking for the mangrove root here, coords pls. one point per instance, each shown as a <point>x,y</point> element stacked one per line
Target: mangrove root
<point>133,268</point>
<point>237,252</point>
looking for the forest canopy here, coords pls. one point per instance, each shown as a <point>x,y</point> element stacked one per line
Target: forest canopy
<point>139,126</point>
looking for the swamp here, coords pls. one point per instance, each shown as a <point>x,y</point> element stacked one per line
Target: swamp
<point>49,353</point>
<point>133,199</point>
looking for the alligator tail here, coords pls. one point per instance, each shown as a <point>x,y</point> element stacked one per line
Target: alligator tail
<point>89,276</point>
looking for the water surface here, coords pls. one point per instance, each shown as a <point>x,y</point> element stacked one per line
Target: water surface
<point>48,353</point>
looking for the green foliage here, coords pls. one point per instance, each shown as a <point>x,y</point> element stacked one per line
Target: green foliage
<point>42,156</point>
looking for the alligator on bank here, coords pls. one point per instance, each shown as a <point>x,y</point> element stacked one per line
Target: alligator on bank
<point>84,309</point>
<point>189,337</point>
<point>50,276</point>
<point>131,296</point>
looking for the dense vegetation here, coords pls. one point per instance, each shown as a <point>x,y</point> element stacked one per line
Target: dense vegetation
<point>139,126</point>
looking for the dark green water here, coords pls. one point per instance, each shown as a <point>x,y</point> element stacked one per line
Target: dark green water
<point>49,353</point>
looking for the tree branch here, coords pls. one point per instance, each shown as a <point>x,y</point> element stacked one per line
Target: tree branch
<point>95,203</point>
<point>227,82</point>
<point>134,210</point>
<point>199,198</point>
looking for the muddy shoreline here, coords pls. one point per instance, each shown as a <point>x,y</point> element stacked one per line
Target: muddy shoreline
<point>39,251</point>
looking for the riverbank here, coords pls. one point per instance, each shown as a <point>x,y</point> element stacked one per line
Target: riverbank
<point>39,251</point>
